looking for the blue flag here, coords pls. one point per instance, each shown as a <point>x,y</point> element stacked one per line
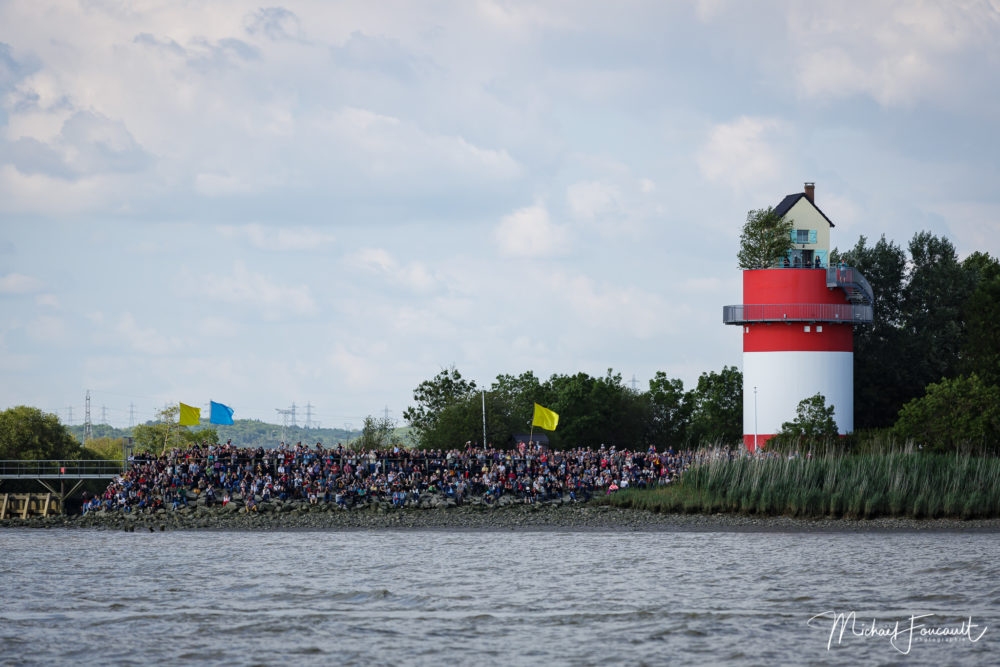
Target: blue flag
<point>220,414</point>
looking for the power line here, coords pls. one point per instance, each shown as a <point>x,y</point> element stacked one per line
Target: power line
<point>87,434</point>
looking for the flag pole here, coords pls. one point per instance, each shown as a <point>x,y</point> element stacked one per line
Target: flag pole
<point>484,419</point>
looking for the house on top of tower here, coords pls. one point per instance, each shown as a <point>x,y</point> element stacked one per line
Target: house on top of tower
<point>810,230</point>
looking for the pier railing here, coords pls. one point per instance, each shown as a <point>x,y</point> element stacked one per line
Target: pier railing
<point>68,469</point>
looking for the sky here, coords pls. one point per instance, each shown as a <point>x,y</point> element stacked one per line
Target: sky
<point>327,203</point>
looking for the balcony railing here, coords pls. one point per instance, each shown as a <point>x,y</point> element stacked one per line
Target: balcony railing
<point>797,312</point>
<point>850,280</point>
<point>98,469</point>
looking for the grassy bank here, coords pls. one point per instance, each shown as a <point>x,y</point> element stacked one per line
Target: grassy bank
<point>893,484</point>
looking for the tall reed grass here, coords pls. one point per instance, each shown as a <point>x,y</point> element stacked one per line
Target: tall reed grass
<point>901,483</point>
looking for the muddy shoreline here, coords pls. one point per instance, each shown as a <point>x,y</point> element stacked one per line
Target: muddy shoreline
<point>568,516</point>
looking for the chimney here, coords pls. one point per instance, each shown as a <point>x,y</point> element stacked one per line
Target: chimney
<point>811,192</point>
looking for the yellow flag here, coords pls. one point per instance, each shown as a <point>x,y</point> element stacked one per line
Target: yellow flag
<point>190,416</point>
<point>544,418</point>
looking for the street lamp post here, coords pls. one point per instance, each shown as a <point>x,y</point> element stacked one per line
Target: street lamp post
<point>755,419</point>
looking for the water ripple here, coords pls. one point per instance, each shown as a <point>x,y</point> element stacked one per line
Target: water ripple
<point>489,598</point>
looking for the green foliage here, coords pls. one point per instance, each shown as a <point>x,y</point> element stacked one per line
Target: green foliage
<point>892,483</point>
<point>670,411</point>
<point>106,448</point>
<point>813,421</point>
<point>954,413</point>
<point>879,369</point>
<point>96,431</point>
<point>936,291</point>
<point>923,308</point>
<point>717,412</point>
<point>28,433</point>
<point>165,433</point>
<point>377,433</point>
<point>510,404</point>
<point>765,239</point>
<point>592,411</point>
<point>432,397</point>
<point>981,346</point>
<point>595,411</point>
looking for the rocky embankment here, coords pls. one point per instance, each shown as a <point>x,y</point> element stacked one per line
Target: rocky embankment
<point>475,515</point>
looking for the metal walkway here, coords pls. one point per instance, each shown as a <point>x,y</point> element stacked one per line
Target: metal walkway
<point>850,280</point>
<point>99,469</point>
<point>51,474</point>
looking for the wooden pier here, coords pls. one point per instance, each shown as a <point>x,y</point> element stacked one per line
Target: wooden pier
<point>61,479</point>
<point>24,505</point>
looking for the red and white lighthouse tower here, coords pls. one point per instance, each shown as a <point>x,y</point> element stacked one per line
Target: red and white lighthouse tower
<point>798,322</point>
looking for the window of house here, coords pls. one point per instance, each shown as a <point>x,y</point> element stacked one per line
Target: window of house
<point>802,236</point>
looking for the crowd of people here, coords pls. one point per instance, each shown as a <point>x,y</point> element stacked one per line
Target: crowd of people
<point>528,473</point>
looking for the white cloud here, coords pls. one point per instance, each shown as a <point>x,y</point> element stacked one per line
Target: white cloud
<point>528,232</point>
<point>841,209</point>
<point>220,185</point>
<point>146,339</point>
<point>896,53</point>
<point>414,275</point>
<point>609,306</point>
<point>258,291</point>
<point>48,329</point>
<point>593,199</point>
<point>386,146</point>
<point>353,370</point>
<point>88,144</point>
<point>740,154</point>
<point>49,300</point>
<point>972,225</point>
<point>278,238</point>
<point>18,283</point>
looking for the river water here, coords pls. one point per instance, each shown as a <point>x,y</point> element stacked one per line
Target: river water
<point>504,598</point>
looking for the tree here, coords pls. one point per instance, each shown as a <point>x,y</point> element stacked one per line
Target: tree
<point>377,433</point>
<point>670,410</point>
<point>813,420</point>
<point>165,433</point>
<point>511,400</point>
<point>919,329</point>
<point>981,346</point>
<point>104,448</point>
<point>955,412</point>
<point>444,390</point>
<point>765,239</point>
<point>880,363</point>
<point>717,414</point>
<point>30,434</point>
<point>595,411</point>
<point>933,301</point>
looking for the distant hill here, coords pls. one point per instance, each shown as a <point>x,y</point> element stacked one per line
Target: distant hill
<point>246,433</point>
